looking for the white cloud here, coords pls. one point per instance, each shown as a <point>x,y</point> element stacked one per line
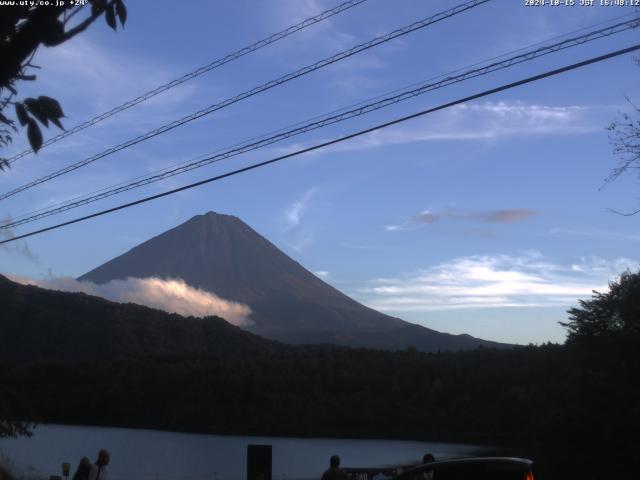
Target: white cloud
<point>606,234</point>
<point>322,273</point>
<point>294,211</point>
<point>170,295</point>
<point>294,11</point>
<point>300,242</point>
<point>491,120</point>
<point>298,238</point>
<point>367,247</point>
<point>484,121</point>
<point>84,70</point>
<point>89,79</point>
<point>285,13</point>
<point>494,281</point>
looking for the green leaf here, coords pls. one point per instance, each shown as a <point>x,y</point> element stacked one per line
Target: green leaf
<point>4,163</point>
<point>21,113</point>
<point>36,110</point>
<point>51,32</point>
<point>34,135</point>
<point>51,107</point>
<point>57,123</point>
<point>110,16</point>
<point>121,10</point>
<point>97,6</point>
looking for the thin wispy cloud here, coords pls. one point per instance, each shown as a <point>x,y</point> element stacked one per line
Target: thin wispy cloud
<point>491,120</point>
<point>293,11</point>
<point>285,13</point>
<point>429,217</point>
<point>297,237</point>
<point>105,78</point>
<point>367,247</point>
<point>294,212</point>
<point>88,79</point>
<point>19,247</point>
<point>472,122</point>
<point>170,295</point>
<point>494,281</point>
<point>604,234</point>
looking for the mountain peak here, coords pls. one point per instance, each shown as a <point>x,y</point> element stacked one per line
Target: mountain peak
<point>223,255</point>
<point>212,216</point>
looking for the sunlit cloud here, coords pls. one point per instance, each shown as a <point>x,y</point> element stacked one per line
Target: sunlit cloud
<point>170,295</point>
<point>494,281</point>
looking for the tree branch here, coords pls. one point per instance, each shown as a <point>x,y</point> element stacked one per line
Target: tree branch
<point>82,26</point>
<point>628,214</point>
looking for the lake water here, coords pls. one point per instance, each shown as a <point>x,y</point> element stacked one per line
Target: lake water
<point>155,455</point>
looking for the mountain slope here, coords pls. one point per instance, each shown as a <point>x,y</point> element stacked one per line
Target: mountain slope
<point>38,324</point>
<point>223,255</point>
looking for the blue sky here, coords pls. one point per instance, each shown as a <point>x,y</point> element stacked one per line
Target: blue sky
<point>485,219</point>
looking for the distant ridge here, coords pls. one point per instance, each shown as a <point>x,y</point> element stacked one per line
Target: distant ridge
<point>222,254</point>
<point>39,324</point>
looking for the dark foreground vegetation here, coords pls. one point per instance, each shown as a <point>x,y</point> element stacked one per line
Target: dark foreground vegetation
<point>574,408</point>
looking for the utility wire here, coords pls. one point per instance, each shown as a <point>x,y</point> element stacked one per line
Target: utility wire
<point>256,90</point>
<point>342,109</point>
<point>353,105</point>
<point>336,140</point>
<point>196,73</point>
<point>328,120</point>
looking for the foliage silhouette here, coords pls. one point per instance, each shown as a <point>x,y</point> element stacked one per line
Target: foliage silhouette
<point>616,312</point>
<point>101,363</point>
<point>23,28</point>
<point>625,139</point>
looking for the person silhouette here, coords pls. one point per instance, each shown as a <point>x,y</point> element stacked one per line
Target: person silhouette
<point>334,472</point>
<point>428,458</point>
<point>99,469</point>
<point>84,467</point>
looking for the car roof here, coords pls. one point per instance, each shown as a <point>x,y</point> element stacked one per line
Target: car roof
<point>457,461</point>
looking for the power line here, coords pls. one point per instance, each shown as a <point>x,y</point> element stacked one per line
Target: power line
<point>342,109</point>
<point>353,105</point>
<point>328,120</point>
<point>199,71</point>
<point>256,90</point>
<point>336,140</point>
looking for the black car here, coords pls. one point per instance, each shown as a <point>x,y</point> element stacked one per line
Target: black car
<point>481,468</point>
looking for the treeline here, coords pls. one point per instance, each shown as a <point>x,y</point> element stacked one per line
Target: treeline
<point>574,409</point>
<point>36,323</point>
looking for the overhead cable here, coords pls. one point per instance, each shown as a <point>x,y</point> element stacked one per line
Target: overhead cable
<point>254,91</point>
<point>334,141</point>
<point>196,73</point>
<point>327,120</point>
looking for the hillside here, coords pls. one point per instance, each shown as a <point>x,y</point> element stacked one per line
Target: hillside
<point>51,325</point>
<point>223,255</point>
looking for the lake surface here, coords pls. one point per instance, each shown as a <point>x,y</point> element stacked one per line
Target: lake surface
<point>155,455</point>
